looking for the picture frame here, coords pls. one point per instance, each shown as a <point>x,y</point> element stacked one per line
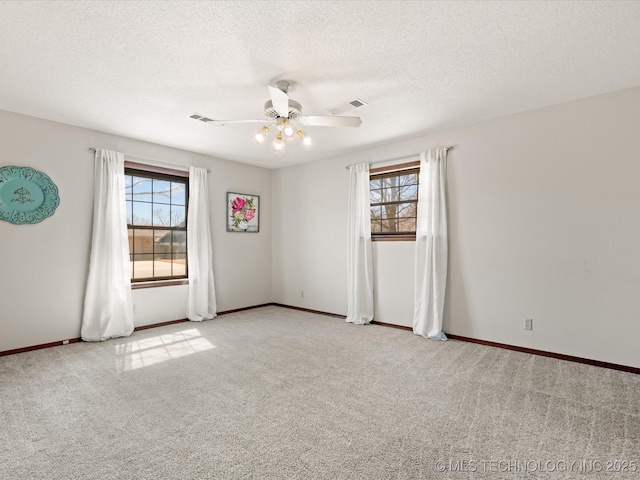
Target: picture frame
<point>243,212</point>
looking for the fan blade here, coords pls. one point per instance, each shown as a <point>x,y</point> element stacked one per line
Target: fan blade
<point>220,123</point>
<point>329,121</point>
<point>280,101</point>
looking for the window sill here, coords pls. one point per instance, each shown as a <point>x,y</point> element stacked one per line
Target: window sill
<point>409,237</point>
<point>159,283</point>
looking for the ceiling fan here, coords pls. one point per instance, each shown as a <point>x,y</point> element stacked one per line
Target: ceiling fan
<point>281,111</point>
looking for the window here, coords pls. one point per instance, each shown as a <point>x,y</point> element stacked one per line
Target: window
<point>157,224</point>
<point>394,202</point>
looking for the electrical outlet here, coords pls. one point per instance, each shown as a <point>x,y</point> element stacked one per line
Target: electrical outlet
<point>302,293</point>
<point>65,342</point>
<point>528,323</point>
<point>135,307</point>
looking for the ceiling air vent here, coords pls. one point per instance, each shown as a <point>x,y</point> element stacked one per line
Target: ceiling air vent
<point>197,116</point>
<point>345,107</point>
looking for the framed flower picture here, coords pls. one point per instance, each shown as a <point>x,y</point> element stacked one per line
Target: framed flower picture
<point>243,212</point>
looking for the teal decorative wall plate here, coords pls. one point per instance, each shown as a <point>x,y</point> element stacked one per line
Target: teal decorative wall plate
<point>26,195</point>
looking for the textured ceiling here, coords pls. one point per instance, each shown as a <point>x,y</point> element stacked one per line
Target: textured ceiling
<point>138,69</point>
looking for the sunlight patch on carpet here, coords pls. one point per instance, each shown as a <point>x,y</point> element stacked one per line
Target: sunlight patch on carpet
<point>151,351</point>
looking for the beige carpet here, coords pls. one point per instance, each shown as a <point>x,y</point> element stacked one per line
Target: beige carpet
<point>277,393</point>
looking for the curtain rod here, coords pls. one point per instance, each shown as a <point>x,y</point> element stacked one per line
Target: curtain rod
<point>154,161</point>
<point>406,157</point>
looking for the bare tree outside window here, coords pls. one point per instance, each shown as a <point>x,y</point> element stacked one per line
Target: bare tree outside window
<point>394,202</point>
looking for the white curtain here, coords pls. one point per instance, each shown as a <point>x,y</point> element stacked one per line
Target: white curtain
<point>108,310</point>
<point>202,293</point>
<point>431,246</point>
<point>359,261</point>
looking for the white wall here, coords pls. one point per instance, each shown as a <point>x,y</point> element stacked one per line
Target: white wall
<point>544,223</point>
<point>43,267</point>
<point>308,254</point>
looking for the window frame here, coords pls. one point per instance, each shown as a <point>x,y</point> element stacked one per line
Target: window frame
<point>160,173</point>
<point>399,169</point>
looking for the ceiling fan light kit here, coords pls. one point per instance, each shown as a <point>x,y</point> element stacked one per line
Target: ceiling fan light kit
<point>280,111</point>
<point>261,135</point>
<point>286,131</point>
<point>278,144</point>
<point>307,141</point>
